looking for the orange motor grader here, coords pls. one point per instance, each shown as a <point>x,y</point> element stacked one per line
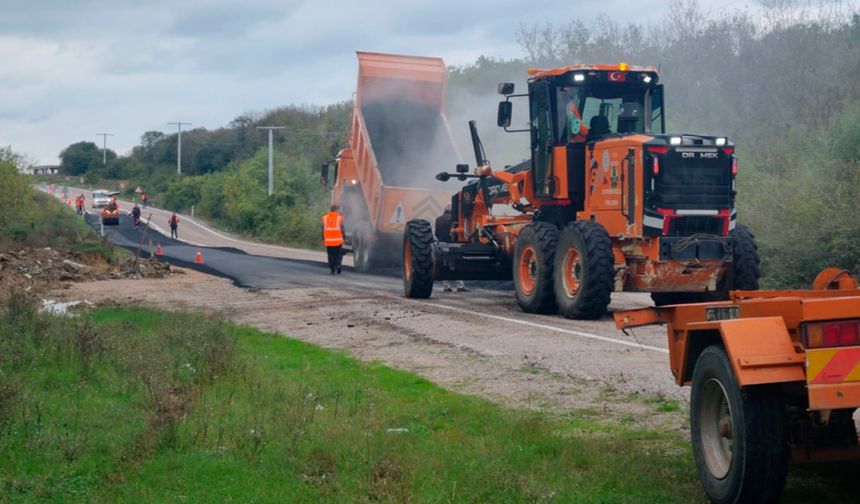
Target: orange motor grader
<point>607,202</point>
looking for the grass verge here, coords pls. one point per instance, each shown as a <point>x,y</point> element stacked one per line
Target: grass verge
<point>132,406</point>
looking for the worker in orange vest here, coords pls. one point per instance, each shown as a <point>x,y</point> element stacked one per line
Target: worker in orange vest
<point>577,131</point>
<point>333,238</point>
<point>79,203</point>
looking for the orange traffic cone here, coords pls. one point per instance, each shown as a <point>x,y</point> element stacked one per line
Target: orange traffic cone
<point>158,250</point>
<point>199,258</point>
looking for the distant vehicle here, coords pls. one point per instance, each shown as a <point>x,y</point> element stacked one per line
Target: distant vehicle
<point>102,197</point>
<point>110,214</point>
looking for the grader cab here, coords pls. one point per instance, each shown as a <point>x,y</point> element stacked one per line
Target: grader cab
<point>607,201</point>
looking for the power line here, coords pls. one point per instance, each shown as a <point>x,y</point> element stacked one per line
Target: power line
<point>179,125</point>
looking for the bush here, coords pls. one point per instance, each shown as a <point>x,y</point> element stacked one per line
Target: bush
<point>35,219</point>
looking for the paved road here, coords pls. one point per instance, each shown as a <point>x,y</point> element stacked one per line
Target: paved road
<point>195,232</point>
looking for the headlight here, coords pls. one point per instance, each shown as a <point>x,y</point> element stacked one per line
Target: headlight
<point>578,77</point>
<point>675,141</point>
<point>721,141</point>
<point>646,78</point>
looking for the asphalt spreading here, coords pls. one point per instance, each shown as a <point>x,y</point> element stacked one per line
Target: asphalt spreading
<point>245,270</point>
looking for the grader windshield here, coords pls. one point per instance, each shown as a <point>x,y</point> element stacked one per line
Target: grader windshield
<point>587,111</point>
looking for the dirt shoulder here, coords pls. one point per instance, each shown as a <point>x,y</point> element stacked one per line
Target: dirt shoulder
<point>477,356</point>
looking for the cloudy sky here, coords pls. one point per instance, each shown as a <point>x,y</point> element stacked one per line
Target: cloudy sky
<point>70,69</point>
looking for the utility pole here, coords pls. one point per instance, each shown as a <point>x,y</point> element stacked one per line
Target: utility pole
<point>104,146</point>
<point>179,125</point>
<point>271,156</point>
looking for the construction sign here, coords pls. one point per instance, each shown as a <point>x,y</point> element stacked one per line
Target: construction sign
<point>398,216</point>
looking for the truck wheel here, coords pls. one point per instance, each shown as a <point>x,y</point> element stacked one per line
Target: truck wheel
<point>534,256</point>
<point>362,254</point>
<point>584,270</point>
<point>740,436</point>
<point>418,259</point>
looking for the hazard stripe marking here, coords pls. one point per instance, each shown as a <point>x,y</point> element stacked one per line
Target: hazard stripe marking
<point>843,363</point>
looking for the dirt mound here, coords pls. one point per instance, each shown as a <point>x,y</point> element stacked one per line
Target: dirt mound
<point>41,269</point>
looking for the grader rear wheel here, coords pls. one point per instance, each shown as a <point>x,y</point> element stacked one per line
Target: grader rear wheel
<point>583,270</point>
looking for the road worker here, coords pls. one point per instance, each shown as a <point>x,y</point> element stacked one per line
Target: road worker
<point>577,130</point>
<point>135,215</point>
<point>113,205</point>
<point>79,203</point>
<point>333,238</point>
<point>173,221</point>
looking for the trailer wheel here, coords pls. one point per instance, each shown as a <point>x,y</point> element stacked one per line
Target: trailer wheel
<point>740,436</point>
<point>534,256</point>
<point>418,259</point>
<point>583,270</point>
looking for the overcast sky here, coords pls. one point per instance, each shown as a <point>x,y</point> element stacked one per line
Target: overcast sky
<point>70,69</point>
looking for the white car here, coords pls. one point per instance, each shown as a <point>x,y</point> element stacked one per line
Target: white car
<point>101,198</point>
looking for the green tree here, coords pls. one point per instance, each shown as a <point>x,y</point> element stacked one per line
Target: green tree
<point>78,158</point>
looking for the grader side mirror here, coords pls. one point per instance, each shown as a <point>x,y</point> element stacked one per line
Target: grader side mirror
<point>504,117</point>
<point>506,88</point>
<point>462,168</point>
<point>442,177</point>
<point>324,174</point>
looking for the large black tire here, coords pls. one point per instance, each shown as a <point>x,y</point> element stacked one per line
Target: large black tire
<point>745,270</point>
<point>418,259</point>
<point>583,270</point>
<point>740,436</point>
<point>534,257</point>
<point>362,249</point>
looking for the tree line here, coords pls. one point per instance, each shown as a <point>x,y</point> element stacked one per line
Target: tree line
<point>780,80</point>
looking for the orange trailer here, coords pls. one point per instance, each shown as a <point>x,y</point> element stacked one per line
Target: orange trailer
<point>398,137</point>
<point>775,377</point>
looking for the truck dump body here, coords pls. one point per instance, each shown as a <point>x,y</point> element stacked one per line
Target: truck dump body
<point>399,139</point>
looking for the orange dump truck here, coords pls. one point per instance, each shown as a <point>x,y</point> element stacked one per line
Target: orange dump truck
<point>775,377</point>
<point>398,139</point>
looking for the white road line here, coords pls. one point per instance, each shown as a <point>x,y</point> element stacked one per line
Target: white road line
<point>546,327</point>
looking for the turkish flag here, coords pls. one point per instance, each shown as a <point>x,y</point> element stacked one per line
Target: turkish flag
<point>617,77</point>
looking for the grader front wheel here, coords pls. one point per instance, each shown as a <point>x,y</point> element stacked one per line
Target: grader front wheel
<point>533,262</point>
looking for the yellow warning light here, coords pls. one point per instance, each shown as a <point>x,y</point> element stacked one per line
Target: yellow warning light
<point>532,71</point>
<point>623,66</point>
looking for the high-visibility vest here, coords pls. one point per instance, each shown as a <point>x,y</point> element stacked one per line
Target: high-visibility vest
<point>332,235</point>
<point>576,128</point>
